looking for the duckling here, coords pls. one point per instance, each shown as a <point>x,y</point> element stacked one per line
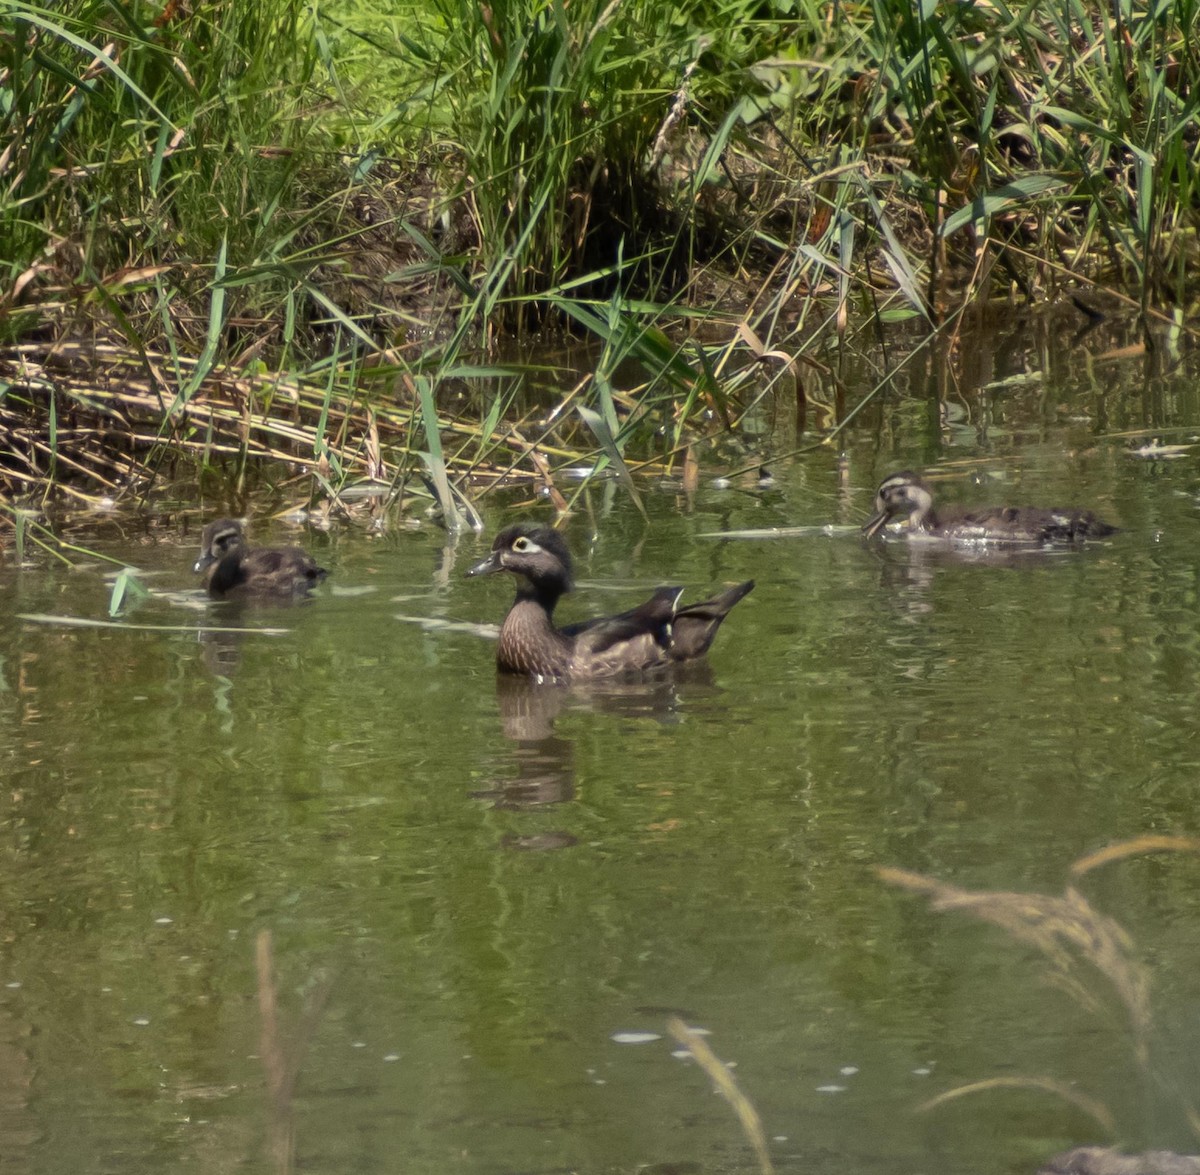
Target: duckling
<point>231,568</point>
<point>653,636</point>
<point>904,494</point>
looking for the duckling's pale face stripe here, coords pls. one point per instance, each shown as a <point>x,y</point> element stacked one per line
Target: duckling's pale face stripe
<point>903,494</point>
<point>226,539</point>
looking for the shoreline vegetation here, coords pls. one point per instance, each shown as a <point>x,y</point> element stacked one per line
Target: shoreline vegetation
<point>273,243</point>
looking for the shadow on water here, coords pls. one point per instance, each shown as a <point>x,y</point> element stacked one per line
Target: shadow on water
<point>221,652</point>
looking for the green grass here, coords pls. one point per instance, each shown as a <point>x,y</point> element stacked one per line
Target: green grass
<point>134,146</point>
<point>353,200</point>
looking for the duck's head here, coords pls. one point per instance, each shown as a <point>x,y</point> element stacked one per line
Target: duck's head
<point>218,540</point>
<point>902,494</point>
<point>537,553</point>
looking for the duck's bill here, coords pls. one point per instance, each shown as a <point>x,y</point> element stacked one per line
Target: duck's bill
<point>875,524</point>
<point>205,561</point>
<point>490,564</point>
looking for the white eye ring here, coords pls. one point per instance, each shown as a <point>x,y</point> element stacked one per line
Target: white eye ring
<point>521,543</point>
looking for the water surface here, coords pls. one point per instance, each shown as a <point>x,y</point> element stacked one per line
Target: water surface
<point>481,901</point>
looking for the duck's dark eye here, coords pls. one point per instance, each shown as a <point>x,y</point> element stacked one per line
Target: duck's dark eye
<point>521,543</point>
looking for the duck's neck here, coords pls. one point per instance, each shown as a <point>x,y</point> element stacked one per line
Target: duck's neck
<point>226,573</point>
<point>529,642</point>
<point>926,519</point>
<point>545,595</point>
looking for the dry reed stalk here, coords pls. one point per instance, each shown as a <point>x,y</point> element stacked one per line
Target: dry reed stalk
<point>721,1078</point>
<point>281,1134</point>
<point>1134,848</point>
<point>1096,1110</point>
<point>281,1065</point>
<point>1063,929</point>
<point>129,424</point>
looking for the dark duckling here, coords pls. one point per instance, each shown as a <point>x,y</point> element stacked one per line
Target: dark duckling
<point>905,495</point>
<point>231,568</point>
<point>653,636</point>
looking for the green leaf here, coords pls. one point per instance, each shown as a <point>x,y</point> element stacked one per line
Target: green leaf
<point>608,444</point>
<point>91,53</point>
<point>456,511</point>
<point>126,586</point>
<point>1011,195</point>
<point>894,254</point>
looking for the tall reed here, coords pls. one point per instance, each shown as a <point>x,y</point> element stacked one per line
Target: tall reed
<point>142,136</point>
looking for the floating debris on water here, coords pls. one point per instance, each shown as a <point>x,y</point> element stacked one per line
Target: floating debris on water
<point>635,1037</point>
<point>489,632</point>
<point>827,530</point>
<point>1155,450</point>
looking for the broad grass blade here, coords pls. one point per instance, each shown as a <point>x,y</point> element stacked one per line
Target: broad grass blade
<point>608,444</point>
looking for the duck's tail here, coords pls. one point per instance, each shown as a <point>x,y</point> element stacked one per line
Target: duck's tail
<point>694,626</point>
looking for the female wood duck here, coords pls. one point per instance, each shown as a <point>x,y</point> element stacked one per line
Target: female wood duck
<point>233,569</point>
<point>905,495</point>
<point>653,636</point>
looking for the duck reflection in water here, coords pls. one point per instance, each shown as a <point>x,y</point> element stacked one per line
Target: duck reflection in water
<point>543,763</point>
<point>539,765</point>
<point>909,571</point>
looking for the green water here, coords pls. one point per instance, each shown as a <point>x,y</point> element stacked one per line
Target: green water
<point>471,896</point>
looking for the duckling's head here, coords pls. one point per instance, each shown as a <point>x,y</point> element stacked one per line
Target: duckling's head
<point>537,553</point>
<point>218,540</point>
<point>902,494</point>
